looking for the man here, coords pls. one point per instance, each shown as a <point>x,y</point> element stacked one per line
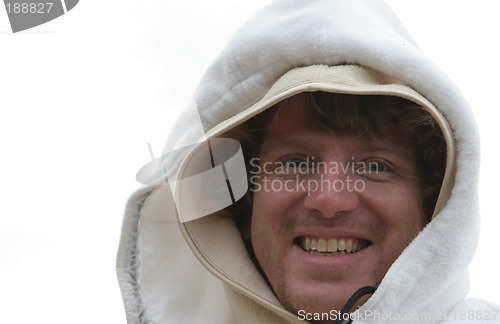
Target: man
<point>362,171</point>
<point>339,175</point>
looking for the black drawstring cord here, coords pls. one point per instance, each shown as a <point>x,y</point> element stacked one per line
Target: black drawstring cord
<point>345,319</point>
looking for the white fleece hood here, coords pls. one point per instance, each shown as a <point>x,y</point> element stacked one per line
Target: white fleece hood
<point>178,267</point>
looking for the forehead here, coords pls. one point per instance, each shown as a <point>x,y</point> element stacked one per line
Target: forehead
<point>290,126</point>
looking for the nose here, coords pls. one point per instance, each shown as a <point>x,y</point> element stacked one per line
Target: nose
<point>334,193</point>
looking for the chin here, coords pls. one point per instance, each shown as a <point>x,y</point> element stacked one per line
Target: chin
<point>322,297</point>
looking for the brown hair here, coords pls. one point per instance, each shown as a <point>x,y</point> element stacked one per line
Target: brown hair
<point>368,116</point>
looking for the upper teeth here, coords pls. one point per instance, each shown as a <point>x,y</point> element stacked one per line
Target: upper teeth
<point>333,246</point>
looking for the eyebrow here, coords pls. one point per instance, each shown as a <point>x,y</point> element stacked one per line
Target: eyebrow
<point>366,146</point>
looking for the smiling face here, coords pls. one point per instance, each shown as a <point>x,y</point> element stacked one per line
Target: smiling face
<point>331,213</point>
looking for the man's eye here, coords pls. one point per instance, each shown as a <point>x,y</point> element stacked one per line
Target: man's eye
<point>297,163</point>
<point>375,166</point>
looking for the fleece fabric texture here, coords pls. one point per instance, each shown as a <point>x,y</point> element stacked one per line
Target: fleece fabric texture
<point>174,272</point>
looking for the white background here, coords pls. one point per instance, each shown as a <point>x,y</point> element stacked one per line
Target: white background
<point>81,96</point>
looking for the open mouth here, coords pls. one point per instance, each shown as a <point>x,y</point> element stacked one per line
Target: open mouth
<point>331,247</point>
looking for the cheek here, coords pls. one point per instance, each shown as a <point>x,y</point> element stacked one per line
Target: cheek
<point>397,205</point>
<point>401,213</point>
<point>399,208</point>
<point>263,208</point>
<point>265,214</point>
<point>272,213</point>
<point>274,201</point>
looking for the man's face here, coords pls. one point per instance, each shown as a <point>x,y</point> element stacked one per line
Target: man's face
<point>336,194</point>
